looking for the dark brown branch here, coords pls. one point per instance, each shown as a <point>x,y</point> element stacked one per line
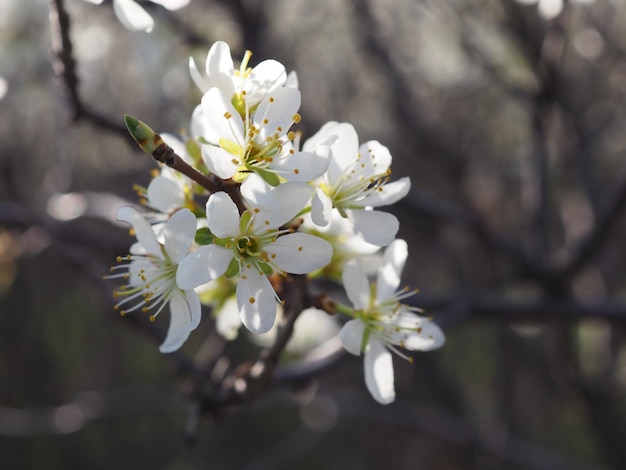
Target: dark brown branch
<point>252,378</point>
<point>64,67</point>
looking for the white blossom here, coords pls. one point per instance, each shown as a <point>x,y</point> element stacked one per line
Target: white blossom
<point>150,271</point>
<point>252,245</point>
<point>134,17</point>
<point>245,86</point>
<point>382,323</point>
<point>259,142</point>
<point>549,9</point>
<point>355,183</point>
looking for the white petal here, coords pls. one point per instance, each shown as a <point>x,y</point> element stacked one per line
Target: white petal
<point>321,208</point>
<point>378,368</point>
<point>220,69</point>
<point>356,284</point>
<point>179,233</point>
<point>351,336</point>
<point>95,2</point>
<point>228,321</point>
<point>222,215</point>
<point>390,271</point>
<point>197,77</point>
<point>132,16</point>
<point>549,9</point>
<point>165,195</point>
<point>172,4</point>
<point>378,228</point>
<point>300,253</point>
<point>264,79</point>
<point>375,158</point>
<point>143,230</point>
<point>195,310</point>
<point>390,193</point>
<point>221,118</point>
<point>277,112</point>
<point>324,137</point>
<point>180,323</point>
<point>257,192</point>
<point>219,161</point>
<point>292,77</point>
<point>301,166</point>
<point>255,298</point>
<point>202,265</point>
<point>281,205</point>
<point>429,337</point>
<point>344,150</point>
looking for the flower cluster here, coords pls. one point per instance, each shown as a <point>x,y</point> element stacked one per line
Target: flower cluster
<point>238,204</point>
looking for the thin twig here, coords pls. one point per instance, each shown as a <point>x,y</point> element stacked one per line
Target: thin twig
<point>64,67</point>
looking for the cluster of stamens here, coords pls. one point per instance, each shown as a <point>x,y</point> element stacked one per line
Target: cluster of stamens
<point>353,188</point>
<point>150,283</point>
<point>392,321</point>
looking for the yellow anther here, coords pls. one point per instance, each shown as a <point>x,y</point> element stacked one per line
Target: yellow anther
<point>227,115</point>
<point>251,300</point>
<point>296,118</point>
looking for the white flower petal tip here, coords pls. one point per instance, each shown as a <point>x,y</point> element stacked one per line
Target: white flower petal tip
<point>351,336</point>
<point>256,301</point>
<point>133,16</point>
<point>378,368</point>
<point>428,337</point>
<point>381,323</point>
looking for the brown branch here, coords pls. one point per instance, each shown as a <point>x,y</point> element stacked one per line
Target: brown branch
<point>64,67</point>
<point>252,378</point>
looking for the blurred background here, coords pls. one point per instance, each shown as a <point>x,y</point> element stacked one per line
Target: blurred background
<point>509,117</point>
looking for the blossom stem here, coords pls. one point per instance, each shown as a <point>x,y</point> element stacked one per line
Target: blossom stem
<point>345,310</point>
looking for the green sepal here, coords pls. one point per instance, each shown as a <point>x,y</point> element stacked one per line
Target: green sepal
<point>266,268</point>
<point>244,221</point>
<point>270,178</point>
<point>233,269</point>
<point>204,236</point>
